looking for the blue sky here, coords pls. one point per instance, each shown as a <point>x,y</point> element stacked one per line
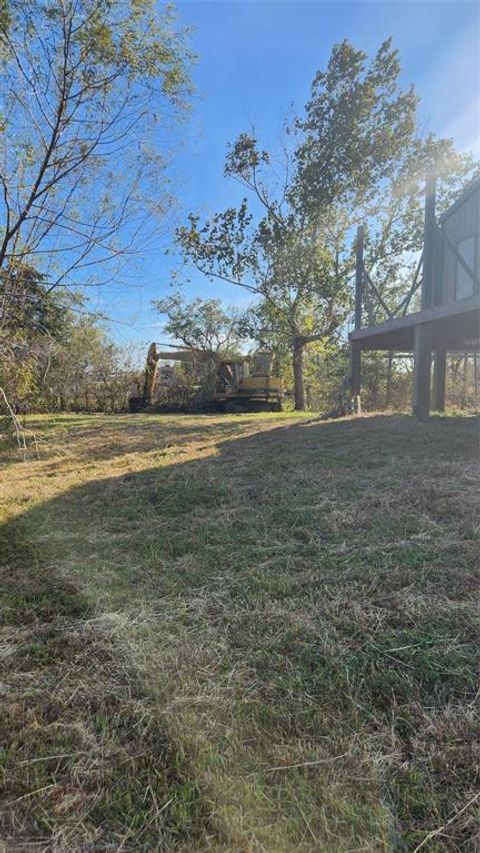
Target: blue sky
<point>256,59</point>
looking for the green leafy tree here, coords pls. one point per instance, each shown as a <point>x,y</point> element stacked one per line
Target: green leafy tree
<point>28,311</point>
<point>85,370</point>
<point>76,368</point>
<point>212,333</point>
<point>356,125</point>
<point>278,256</point>
<point>201,324</point>
<point>291,247</point>
<point>32,320</point>
<point>54,355</point>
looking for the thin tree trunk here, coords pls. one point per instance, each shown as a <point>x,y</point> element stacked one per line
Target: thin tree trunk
<point>299,389</point>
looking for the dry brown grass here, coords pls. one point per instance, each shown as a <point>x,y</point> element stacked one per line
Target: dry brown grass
<point>253,633</point>
<point>87,761</point>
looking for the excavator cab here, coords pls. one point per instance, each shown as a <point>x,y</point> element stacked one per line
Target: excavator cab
<point>229,374</point>
<point>256,390</point>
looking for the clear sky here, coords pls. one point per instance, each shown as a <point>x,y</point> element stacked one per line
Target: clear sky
<point>255,60</point>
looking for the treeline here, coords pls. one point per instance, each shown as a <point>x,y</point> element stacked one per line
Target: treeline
<point>205,325</point>
<point>57,357</point>
<point>387,381</point>
<point>54,355</point>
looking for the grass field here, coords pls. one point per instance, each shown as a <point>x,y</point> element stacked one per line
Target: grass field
<point>247,633</point>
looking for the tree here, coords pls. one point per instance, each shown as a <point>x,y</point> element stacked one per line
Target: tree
<point>86,370</point>
<point>31,321</point>
<point>357,124</point>
<point>26,306</point>
<point>85,84</point>
<point>278,257</point>
<point>201,324</point>
<point>295,255</point>
<point>71,366</point>
<point>211,333</point>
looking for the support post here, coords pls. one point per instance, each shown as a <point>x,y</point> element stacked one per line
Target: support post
<point>355,351</point>
<point>359,277</point>
<point>439,379</point>
<point>356,376</point>
<point>422,372</point>
<point>429,237</point>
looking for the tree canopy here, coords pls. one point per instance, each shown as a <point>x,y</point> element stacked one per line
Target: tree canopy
<point>86,84</point>
<point>201,324</point>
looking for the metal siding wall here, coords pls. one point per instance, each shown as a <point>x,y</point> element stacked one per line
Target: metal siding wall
<point>461,224</point>
<point>438,272</point>
<point>477,231</point>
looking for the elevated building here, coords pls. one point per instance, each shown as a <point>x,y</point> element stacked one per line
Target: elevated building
<point>448,275</point>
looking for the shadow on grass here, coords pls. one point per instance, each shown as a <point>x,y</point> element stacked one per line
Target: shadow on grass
<point>335,562</point>
<point>86,760</point>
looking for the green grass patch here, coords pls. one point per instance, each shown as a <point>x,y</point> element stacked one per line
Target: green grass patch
<point>86,761</point>
<point>269,626</point>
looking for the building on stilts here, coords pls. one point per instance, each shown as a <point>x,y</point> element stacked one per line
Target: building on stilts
<point>448,321</point>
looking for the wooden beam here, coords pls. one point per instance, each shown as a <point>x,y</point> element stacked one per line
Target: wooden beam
<point>359,276</point>
<point>429,235</point>
<point>422,372</point>
<point>437,312</point>
<point>356,376</point>
<point>439,379</point>
<point>416,283</point>
<point>377,293</point>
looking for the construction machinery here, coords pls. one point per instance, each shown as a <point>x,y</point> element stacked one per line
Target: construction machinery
<point>247,385</point>
<point>243,384</point>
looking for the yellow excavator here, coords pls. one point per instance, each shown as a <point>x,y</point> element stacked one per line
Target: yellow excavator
<point>241,384</point>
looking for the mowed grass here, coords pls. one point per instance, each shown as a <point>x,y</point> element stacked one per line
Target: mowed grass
<point>247,633</point>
